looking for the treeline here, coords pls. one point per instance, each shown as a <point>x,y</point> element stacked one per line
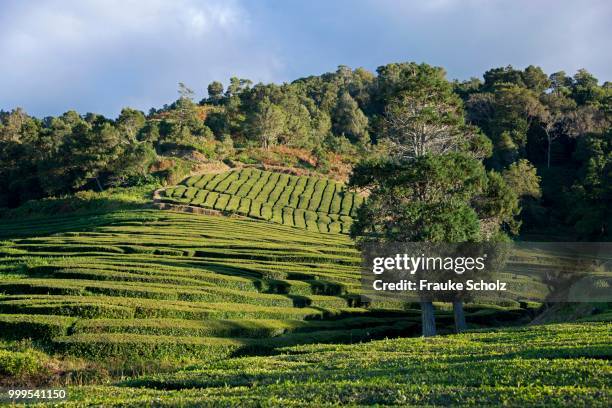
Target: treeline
<point>519,119</point>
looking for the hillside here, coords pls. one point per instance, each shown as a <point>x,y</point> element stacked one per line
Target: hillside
<point>129,303</point>
<point>127,282</point>
<point>554,365</point>
<point>201,309</point>
<point>317,204</point>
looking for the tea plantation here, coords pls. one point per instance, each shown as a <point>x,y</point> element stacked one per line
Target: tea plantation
<point>555,365</point>
<point>316,204</point>
<point>160,284</point>
<point>188,310</point>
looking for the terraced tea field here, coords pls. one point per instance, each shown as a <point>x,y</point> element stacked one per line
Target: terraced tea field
<point>157,274</point>
<point>238,301</point>
<point>564,365</point>
<point>315,204</point>
<point>158,283</point>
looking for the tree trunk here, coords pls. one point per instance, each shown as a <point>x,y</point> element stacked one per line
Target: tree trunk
<point>428,319</point>
<point>99,185</point>
<point>460,324</point>
<point>548,153</point>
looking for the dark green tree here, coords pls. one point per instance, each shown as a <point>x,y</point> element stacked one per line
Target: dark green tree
<point>215,92</point>
<point>267,124</point>
<point>130,122</point>
<point>431,198</point>
<point>350,121</point>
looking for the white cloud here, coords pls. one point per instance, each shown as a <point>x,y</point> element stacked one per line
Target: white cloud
<point>100,55</point>
<point>555,34</point>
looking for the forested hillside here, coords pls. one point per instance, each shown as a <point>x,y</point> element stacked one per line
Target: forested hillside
<point>549,134</point>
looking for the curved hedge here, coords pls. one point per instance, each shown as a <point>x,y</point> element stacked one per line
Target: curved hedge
<point>272,197</point>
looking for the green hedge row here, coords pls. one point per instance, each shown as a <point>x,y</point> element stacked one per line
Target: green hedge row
<point>45,327</point>
<point>265,195</point>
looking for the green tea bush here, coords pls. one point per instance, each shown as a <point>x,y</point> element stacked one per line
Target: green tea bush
<point>200,197</point>
<point>233,204</point>
<point>255,210</point>
<point>317,194</point>
<point>225,183</point>
<point>18,326</point>
<point>266,212</point>
<point>288,216</point>
<point>190,192</point>
<point>299,189</point>
<point>245,206</point>
<point>327,197</point>
<point>192,180</point>
<point>221,202</point>
<point>203,181</point>
<point>215,180</point>
<point>277,215</point>
<point>299,218</point>
<point>347,203</point>
<point>22,364</point>
<point>211,199</point>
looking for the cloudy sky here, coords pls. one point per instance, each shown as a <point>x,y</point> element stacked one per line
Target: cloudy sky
<point>102,55</point>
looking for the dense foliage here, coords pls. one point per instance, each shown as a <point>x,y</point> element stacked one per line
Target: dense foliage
<point>557,124</point>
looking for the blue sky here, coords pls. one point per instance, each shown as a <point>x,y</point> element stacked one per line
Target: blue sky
<point>102,55</point>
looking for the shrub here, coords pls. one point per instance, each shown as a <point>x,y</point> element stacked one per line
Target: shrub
<point>277,215</point>
<point>317,194</point>
<point>235,190</point>
<point>22,364</point>
<point>347,203</point>
<point>17,326</point>
<point>190,192</point>
<point>255,210</point>
<point>192,180</point>
<point>233,204</point>
<point>288,216</point>
<point>203,181</point>
<point>245,206</point>
<point>222,201</point>
<point>298,218</point>
<point>299,189</point>
<point>200,197</point>
<point>211,199</point>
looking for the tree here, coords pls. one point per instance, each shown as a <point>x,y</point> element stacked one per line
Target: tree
<point>237,86</point>
<point>535,79</point>
<point>350,121</point>
<point>430,198</point>
<point>425,116</point>
<point>508,111</point>
<point>585,88</point>
<point>563,118</point>
<point>560,84</point>
<point>185,92</point>
<point>591,193</point>
<point>215,92</point>
<point>87,153</point>
<point>130,122</point>
<point>502,76</point>
<point>523,179</point>
<point>268,123</point>
<point>554,120</point>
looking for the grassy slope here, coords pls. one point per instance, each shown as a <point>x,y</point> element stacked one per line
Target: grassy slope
<point>555,365</point>
<point>160,286</point>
